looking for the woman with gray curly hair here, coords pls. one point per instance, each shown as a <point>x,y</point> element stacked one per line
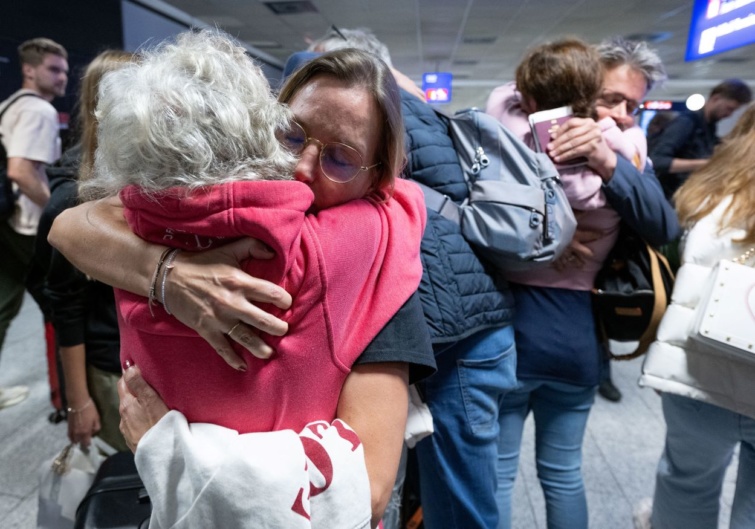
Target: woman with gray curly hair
<point>192,113</point>
<point>188,141</point>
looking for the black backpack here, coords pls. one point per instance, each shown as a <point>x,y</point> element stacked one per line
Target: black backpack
<point>7,196</point>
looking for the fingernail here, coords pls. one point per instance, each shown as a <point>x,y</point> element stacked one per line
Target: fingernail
<point>264,352</point>
<point>127,364</point>
<point>241,368</point>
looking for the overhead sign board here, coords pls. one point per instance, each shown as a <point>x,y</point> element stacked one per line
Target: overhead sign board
<point>718,26</point>
<point>437,87</point>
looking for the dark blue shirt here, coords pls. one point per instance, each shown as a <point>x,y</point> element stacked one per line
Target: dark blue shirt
<point>556,338</point>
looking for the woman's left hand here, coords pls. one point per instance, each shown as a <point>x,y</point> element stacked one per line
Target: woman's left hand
<point>141,407</point>
<point>583,137</point>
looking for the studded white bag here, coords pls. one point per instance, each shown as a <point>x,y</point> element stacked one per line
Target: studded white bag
<point>725,318</point>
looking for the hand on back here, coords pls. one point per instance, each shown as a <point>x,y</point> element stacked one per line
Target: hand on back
<point>208,292</point>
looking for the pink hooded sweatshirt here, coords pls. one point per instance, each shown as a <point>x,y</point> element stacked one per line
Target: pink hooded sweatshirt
<point>583,189</point>
<point>349,269</point>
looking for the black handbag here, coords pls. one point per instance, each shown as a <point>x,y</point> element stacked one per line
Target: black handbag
<point>117,497</point>
<point>631,293</point>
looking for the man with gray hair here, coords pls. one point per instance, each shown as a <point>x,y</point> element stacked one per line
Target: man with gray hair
<point>628,66</point>
<point>557,376</point>
<point>30,139</point>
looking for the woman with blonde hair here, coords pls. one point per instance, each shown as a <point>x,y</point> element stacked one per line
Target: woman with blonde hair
<point>83,310</point>
<point>708,399</point>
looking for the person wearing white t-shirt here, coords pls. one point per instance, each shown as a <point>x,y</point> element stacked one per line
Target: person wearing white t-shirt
<point>29,129</point>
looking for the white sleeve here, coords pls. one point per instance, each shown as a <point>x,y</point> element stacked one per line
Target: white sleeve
<point>340,486</point>
<point>203,475</point>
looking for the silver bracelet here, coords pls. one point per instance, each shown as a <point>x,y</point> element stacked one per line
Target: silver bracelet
<point>85,406</point>
<point>167,267</point>
<point>152,298</point>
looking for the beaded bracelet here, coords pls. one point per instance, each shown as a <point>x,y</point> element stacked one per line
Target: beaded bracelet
<point>85,406</point>
<point>166,269</point>
<point>153,286</point>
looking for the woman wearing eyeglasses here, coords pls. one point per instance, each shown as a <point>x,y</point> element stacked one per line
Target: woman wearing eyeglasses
<point>346,245</point>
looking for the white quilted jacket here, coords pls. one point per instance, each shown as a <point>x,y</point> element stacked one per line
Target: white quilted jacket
<point>675,363</point>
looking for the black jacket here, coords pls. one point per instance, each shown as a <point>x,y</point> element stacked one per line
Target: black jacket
<point>82,310</point>
<point>687,137</point>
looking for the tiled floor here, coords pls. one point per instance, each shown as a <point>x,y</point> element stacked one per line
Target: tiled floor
<point>622,446</point>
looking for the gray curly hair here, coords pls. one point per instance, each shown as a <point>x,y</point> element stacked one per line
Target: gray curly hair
<point>192,113</point>
<point>617,51</point>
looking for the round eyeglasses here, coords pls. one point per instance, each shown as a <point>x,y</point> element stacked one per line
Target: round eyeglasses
<point>339,162</point>
<point>614,99</point>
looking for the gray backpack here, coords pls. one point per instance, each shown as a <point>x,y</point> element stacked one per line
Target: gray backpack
<point>517,215</point>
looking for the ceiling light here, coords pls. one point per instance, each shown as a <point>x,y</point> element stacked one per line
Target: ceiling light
<point>650,37</point>
<point>695,102</point>
<point>291,8</point>
<point>479,40</point>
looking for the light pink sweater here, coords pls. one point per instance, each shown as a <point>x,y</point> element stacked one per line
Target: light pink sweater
<point>583,188</point>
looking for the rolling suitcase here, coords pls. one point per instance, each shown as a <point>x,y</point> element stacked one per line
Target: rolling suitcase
<point>117,498</point>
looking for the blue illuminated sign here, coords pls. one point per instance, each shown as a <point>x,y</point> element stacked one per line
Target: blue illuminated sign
<point>437,87</point>
<point>718,26</point>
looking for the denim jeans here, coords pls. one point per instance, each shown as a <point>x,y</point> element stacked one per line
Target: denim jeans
<point>700,442</point>
<point>457,463</point>
<point>560,411</point>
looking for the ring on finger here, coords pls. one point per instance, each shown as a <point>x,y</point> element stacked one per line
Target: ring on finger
<point>233,329</point>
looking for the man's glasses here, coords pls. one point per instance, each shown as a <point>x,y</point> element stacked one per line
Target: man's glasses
<point>339,162</point>
<point>613,99</point>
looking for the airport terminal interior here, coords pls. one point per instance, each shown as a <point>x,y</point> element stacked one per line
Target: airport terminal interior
<point>456,52</point>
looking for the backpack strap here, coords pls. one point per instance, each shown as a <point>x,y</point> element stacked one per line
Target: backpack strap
<point>437,201</point>
<point>19,96</point>
<point>7,106</point>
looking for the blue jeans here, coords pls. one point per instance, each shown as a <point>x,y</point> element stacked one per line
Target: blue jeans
<point>560,411</point>
<point>700,442</point>
<point>457,463</point>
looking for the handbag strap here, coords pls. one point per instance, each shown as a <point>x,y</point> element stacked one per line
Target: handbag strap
<point>657,259</point>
